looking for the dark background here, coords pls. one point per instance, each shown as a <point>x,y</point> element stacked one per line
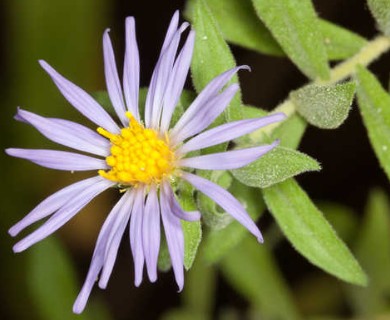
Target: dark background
<point>68,35</point>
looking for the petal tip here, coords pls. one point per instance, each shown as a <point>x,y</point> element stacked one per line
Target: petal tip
<point>245,67</point>
<point>17,248</point>
<point>77,308</point>
<point>13,231</point>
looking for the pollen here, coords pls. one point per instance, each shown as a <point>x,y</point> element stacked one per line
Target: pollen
<point>137,155</point>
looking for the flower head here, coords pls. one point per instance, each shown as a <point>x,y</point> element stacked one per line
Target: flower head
<point>141,156</point>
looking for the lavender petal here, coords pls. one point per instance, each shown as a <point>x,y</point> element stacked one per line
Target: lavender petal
<point>112,79</point>
<point>81,100</point>
<point>206,114</point>
<point>158,84</point>
<point>67,133</point>
<point>131,69</point>
<point>227,160</point>
<point>117,228</point>
<point>52,204</point>
<point>136,234</point>
<point>208,93</point>
<point>59,160</point>
<point>177,210</point>
<point>64,214</point>
<point>227,132</point>
<point>225,200</point>
<point>151,233</point>
<point>98,258</point>
<point>174,236</point>
<point>176,81</point>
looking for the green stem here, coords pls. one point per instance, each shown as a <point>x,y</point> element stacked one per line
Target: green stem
<point>369,53</point>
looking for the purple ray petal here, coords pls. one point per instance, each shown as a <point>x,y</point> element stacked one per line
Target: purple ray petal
<point>177,210</point>
<point>131,69</point>
<point>225,200</point>
<point>174,236</point>
<point>64,214</point>
<point>158,84</point>
<point>228,132</point>
<point>112,79</point>
<point>59,160</point>
<point>98,258</point>
<point>151,233</point>
<point>52,204</point>
<point>227,160</point>
<point>136,234</point>
<point>205,116</point>
<point>176,81</point>
<point>115,234</point>
<point>208,93</point>
<point>67,133</point>
<point>173,25</point>
<point>81,100</point>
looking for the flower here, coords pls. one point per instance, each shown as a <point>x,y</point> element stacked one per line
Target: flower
<point>141,158</point>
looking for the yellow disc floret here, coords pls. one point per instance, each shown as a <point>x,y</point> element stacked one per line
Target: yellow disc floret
<point>138,155</point>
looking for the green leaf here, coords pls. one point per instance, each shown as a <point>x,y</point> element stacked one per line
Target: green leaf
<point>309,232</point>
<point>290,131</point>
<point>218,243</point>
<point>199,291</point>
<point>212,55</point>
<point>240,25</point>
<point>294,25</point>
<point>192,237</point>
<point>192,230</point>
<point>252,271</point>
<point>340,43</point>
<point>52,281</point>
<point>374,104</point>
<point>342,218</point>
<point>373,250</point>
<point>325,107</point>
<point>274,167</point>
<point>164,261</point>
<point>380,9</point>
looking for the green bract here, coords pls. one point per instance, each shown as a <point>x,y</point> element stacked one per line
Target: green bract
<point>221,242</point>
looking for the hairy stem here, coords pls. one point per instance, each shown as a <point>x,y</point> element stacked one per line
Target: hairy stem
<point>369,53</point>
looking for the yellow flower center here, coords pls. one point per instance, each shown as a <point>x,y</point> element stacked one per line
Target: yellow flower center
<point>138,155</point>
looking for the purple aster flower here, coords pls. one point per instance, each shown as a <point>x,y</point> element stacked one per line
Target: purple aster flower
<point>140,156</point>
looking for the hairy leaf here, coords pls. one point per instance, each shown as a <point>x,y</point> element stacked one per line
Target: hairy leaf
<point>274,167</point>
<point>309,232</point>
<point>240,25</point>
<point>295,26</point>
<point>290,131</point>
<point>192,229</point>
<point>374,104</point>
<point>325,107</point>
<point>380,9</point>
<point>212,55</point>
